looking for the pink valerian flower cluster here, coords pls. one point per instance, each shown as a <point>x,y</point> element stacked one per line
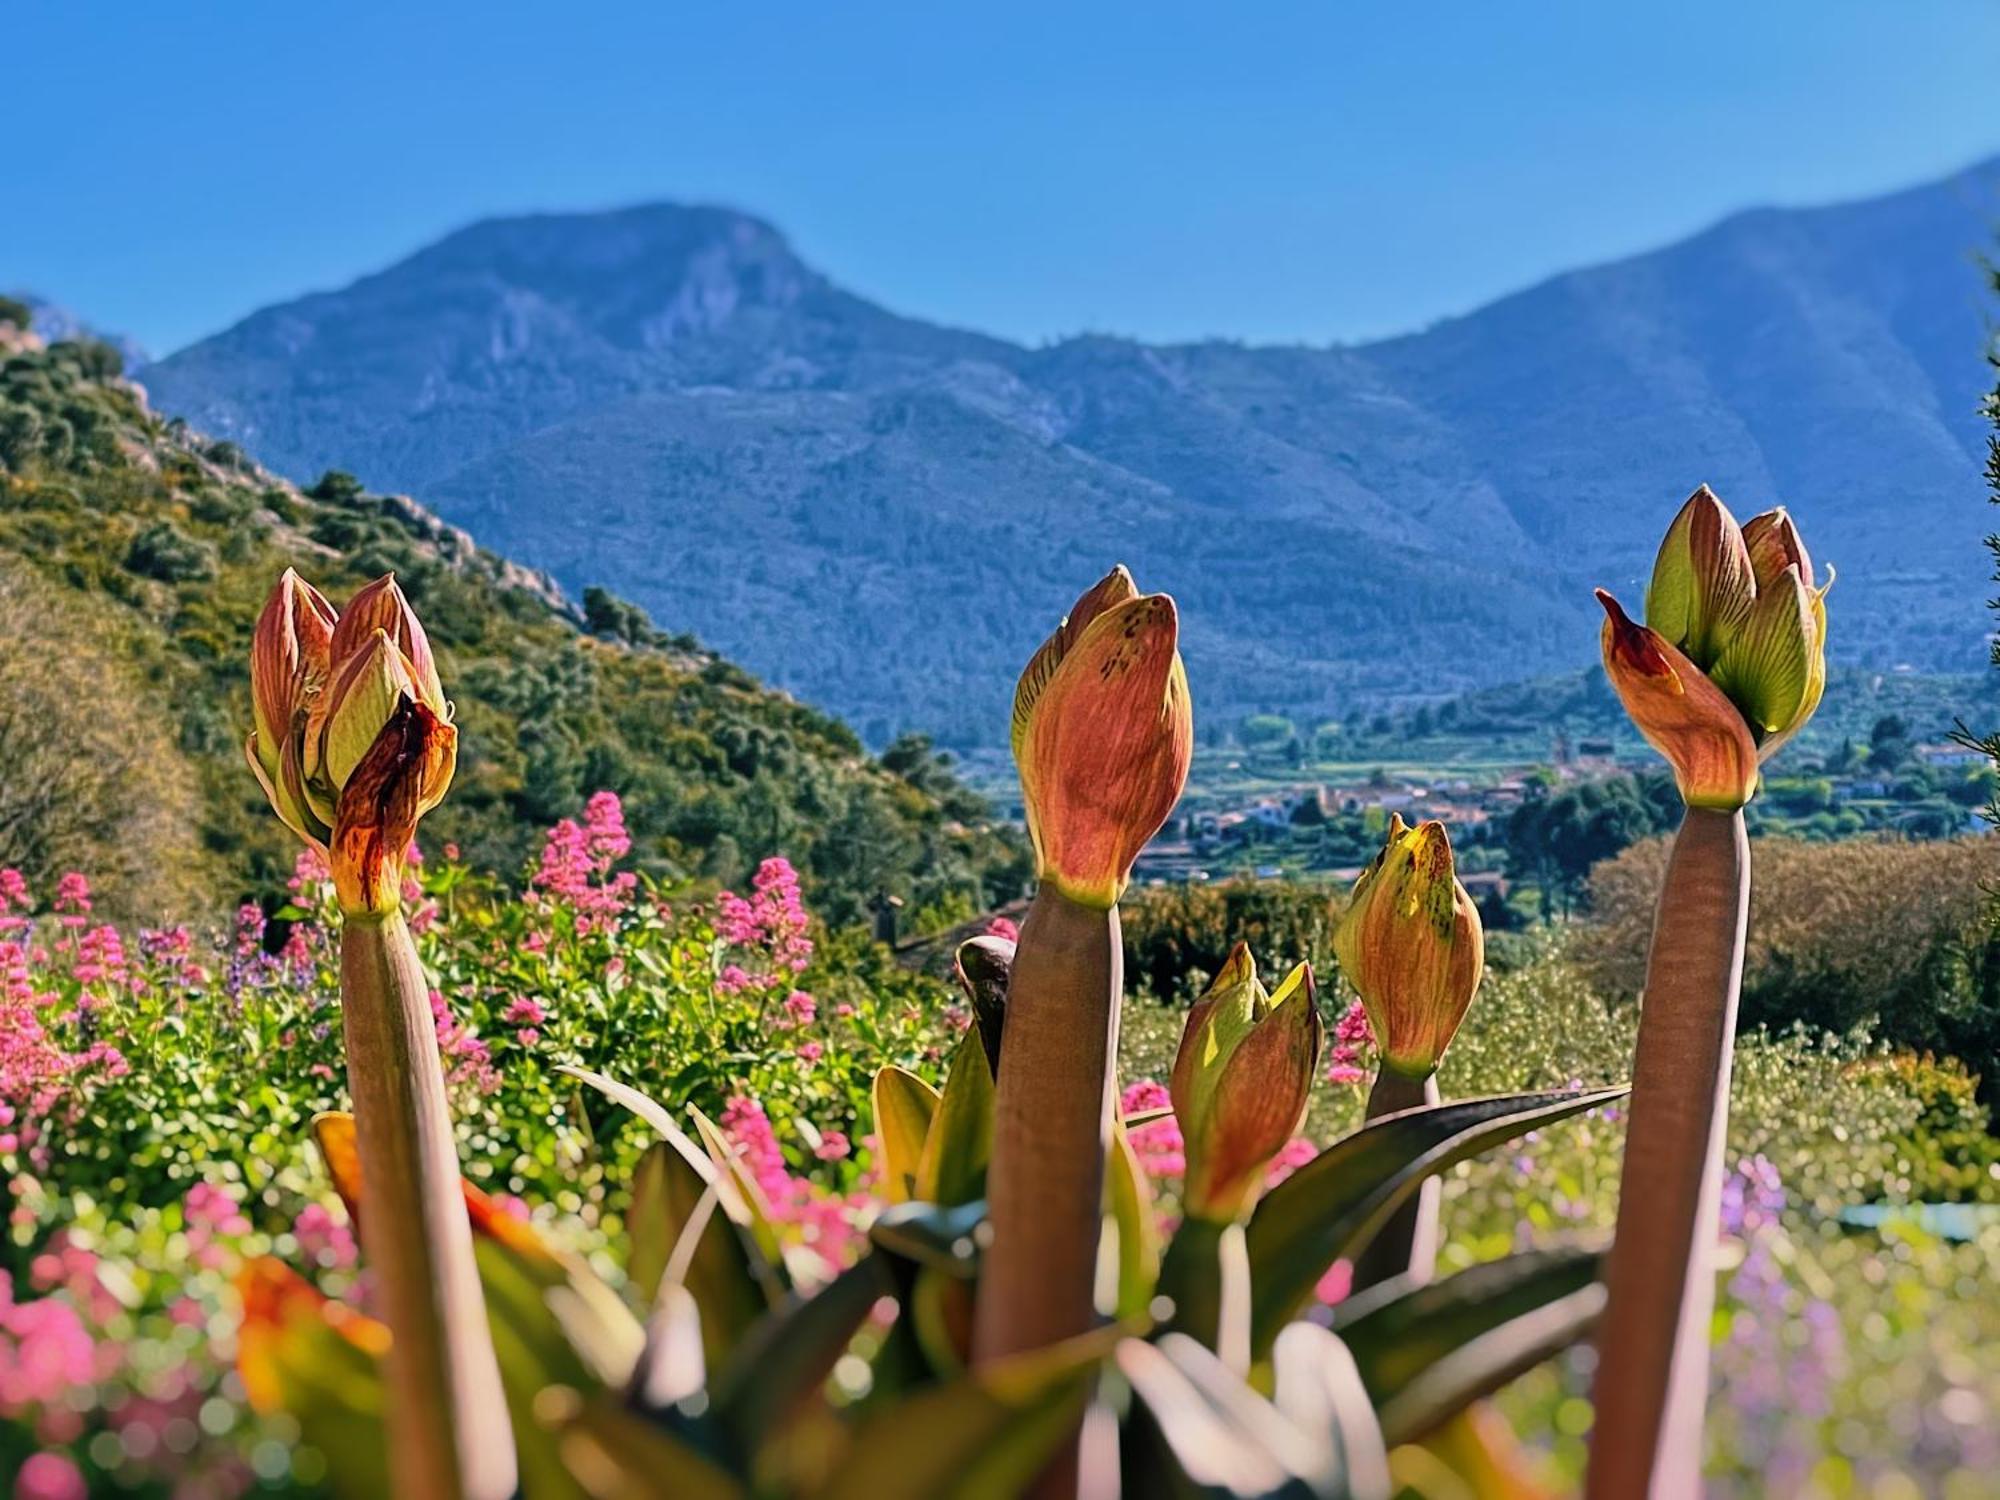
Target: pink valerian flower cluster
<point>468,1061</point>
<point>576,864</point>
<point>526,1015</point>
<point>1158,1143</point>
<point>39,1069</point>
<point>46,1352</point>
<point>325,1240</point>
<point>1353,1040</point>
<point>769,928</point>
<point>824,1222</point>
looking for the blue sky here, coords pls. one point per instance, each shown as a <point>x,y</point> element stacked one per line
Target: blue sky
<point>1260,170</point>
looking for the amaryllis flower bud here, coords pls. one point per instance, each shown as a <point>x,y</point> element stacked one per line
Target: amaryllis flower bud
<point>1103,733</point>
<point>983,965</point>
<point>381,606</point>
<point>404,774</point>
<point>330,692</point>
<point>1703,585</point>
<point>1241,1082</point>
<point>1411,944</point>
<point>1731,661</point>
<point>289,654</point>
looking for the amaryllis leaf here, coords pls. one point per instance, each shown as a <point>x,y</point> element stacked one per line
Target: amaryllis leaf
<point>320,1364</point>
<point>1128,1204</point>
<point>1480,1327</point>
<point>1201,1431</point>
<point>728,1160</point>
<point>678,1229</point>
<point>983,1436</point>
<point>945,1239</point>
<point>785,1360</point>
<point>1317,1385</point>
<point>1332,1205</point>
<point>618,1454</point>
<point>959,1143</point>
<point>904,1107</point>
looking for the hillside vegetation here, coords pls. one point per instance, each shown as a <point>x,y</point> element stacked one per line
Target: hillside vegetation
<point>134,555</point>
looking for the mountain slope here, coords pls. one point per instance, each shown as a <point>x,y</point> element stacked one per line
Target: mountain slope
<point>884,515</point>
<point>137,553</point>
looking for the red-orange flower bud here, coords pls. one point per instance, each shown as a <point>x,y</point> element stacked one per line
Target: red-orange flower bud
<point>1241,1082</point>
<point>1103,734</point>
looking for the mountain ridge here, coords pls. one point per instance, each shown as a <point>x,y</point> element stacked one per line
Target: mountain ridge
<point>672,402</point>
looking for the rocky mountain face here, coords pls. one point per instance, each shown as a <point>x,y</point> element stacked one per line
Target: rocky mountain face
<point>885,515</point>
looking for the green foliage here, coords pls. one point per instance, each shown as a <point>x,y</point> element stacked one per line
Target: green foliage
<point>166,545</point>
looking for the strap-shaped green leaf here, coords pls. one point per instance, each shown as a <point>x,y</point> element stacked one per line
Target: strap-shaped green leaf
<point>1128,1204</point>
<point>1426,1352</point>
<point>785,1360</point>
<point>959,1143</point>
<point>616,1454</point>
<point>678,1232</point>
<point>945,1239</point>
<point>1318,1386</point>
<point>1331,1206</point>
<point>904,1106</point>
<point>1199,1430</point>
<point>983,1436</point>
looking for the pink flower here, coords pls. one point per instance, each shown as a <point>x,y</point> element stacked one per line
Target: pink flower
<point>525,1012</point>
<point>73,894</point>
<point>577,859</point>
<point>324,1239</point>
<point>833,1146</point>
<point>801,1007</point>
<point>810,1053</point>
<point>1004,927</point>
<point>49,1475</point>
<point>1294,1154</point>
<point>467,1059</point>
<point>1158,1143</point>
<point>1353,1039</point>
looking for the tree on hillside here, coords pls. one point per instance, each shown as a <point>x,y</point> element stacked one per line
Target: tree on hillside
<point>1555,839</point>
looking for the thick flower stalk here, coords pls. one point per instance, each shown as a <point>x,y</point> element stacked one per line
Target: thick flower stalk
<point>1241,1082</point>
<point>1730,663</point>
<point>1102,735</point>
<point>1411,943</point>
<point>353,744</point>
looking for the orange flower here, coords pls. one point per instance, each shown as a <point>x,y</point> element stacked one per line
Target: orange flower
<point>1410,942</point>
<point>1103,733</point>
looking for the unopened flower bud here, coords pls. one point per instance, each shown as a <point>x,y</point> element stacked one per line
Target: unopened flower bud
<point>1411,944</point>
<point>1731,661</point>
<point>1241,1082</point>
<point>1703,585</point>
<point>335,699</point>
<point>1103,734</point>
<point>983,965</point>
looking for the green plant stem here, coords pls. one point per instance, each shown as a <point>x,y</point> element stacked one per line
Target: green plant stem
<point>1652,1345</point>
<point>1052,1128</point>
<point>1409,1240</point>
<point>1206,1274</point>
<point>449,1437</point>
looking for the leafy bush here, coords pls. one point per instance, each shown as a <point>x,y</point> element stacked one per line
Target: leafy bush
<point>1895,936</point>
<point>164,552</point>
